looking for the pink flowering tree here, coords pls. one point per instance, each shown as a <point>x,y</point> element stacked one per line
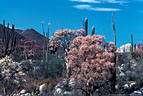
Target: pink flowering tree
<point>91,62</point>
<point>138,52</point>
<point>63,38</point>
<point>28,49</point>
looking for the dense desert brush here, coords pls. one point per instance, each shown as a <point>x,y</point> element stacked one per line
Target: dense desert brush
<point>91,62</point>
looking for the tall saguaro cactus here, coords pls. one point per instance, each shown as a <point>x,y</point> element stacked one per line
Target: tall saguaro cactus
<point>93,30</point>
<point>47,41</point>
<point>9,38</point>
<point>6,38</point>
<point>131,43</point>
<point>113,79</point>
<point>12,36</point>
<point>3,32</point>
<point>44,42</point>
<point>86,26</point>
<point>113,26</point>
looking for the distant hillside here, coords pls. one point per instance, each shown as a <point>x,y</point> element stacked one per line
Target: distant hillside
<point>31,34</point>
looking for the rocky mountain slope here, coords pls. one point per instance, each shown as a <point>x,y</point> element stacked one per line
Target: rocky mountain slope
<point>30,34</point>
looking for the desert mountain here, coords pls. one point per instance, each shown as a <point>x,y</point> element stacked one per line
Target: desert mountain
<point>31,34</point>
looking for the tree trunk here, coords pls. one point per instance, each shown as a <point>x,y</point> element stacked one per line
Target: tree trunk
<point>113,79</point>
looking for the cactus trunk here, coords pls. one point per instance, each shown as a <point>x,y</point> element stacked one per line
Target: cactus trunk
<point>113,79</point>
<point>93,30</point>
<point>113,26</point>
<point>131,43</point>
<point>47,42</point>
<point>86,26</point>
<point>44,43</point>
<point>9,38</point>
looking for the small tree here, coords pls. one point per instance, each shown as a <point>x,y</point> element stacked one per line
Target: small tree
<point>63,38</point>
<point>27,49</point>
<point>91,62</point>
<point>138,52</point>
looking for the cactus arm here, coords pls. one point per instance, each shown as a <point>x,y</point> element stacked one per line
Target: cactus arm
<point>86,26</point>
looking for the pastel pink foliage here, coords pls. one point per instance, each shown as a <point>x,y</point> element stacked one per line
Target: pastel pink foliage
<point>91,61</point>
<point>138,52</point>
<point>63,38</point>
<point>30,47</point>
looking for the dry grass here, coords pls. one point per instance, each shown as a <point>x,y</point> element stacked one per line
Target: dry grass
<point>34,83</point>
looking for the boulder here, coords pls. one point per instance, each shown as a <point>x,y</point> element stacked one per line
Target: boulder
<point>124,48</point>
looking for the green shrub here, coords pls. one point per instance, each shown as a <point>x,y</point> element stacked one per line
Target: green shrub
<point>54,67</point>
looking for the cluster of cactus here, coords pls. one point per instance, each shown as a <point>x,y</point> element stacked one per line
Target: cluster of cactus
<point>9,39</point>
<point>86,28</point>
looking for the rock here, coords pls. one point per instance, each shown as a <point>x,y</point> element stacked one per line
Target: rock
<point>126,86</point>
<point>65,88</point>
<point>116,86</point>
<point>72,82</point>
<point>22,91</point>
<point>14,95</point>
<point>21,73</point>
<point>14,73</point>
<point>136,93</point>
<point>27,94</point>
<point>132,83</point>
<point>68,93</point>
<point>42,88</point>
<point>122,74</point>
<point>124,48</point>
<point>36,91</point>
<point>59,90</point>
<point>16,81</point>
<point>141,90</point>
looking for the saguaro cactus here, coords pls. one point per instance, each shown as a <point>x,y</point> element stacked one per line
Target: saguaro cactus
<point>12,37</point>
<point>93,30</point>
<point>86,26</point>
<point>131,43</point>
<point>6,38</point>
<point>113,79</point>
<point>9,38</point>
<point>44,40</point>
<point>113,26</point>
<point>135,47</point>
<point>47,36</point>
<point>47,41</point>
<point>3,32</point>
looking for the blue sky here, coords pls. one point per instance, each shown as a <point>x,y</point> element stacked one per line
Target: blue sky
<point>69,14</point>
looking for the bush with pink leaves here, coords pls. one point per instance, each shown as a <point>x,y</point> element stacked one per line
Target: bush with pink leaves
<point>91,62</point>
<point>138,52</point>
<point>63,38</point>
<point>27,49</point>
